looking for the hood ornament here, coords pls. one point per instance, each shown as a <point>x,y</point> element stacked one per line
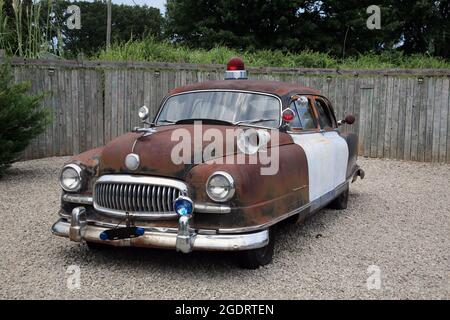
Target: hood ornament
<point>132,161</point>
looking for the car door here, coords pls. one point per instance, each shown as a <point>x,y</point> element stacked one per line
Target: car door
<point>326,151</point>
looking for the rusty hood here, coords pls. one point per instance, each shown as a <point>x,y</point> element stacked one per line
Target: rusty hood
<point>156,150</point>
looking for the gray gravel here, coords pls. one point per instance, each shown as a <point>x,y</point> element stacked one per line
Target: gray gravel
<point>398,220</point>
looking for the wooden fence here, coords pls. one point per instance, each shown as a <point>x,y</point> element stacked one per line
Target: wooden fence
<point>401,114</point>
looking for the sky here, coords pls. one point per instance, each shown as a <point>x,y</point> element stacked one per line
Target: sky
<point>151,3</point>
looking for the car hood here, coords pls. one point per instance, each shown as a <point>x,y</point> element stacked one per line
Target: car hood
<point>155,150</point>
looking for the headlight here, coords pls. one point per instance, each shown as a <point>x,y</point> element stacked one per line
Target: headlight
<point>70,179</point>
<point>220,186</point>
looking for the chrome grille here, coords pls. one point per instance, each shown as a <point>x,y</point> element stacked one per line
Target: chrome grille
<point>140,196</point>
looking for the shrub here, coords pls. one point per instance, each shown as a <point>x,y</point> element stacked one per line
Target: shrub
<point>22,117</point>
<point>150,49</point>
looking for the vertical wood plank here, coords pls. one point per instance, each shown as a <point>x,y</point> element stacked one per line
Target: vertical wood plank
<point>422,88</point>
<point>388,123</point>
<point>395,117</point>
<point>375,117</point>
<point>382,116</point>
<point>408,119</point>
<point>74,92</point>
<point>429,120</point>
<point>67,142</point>
<point>81,110</point>
<point>401,118</point>
<point>436,120</point>
<point>415,121</point>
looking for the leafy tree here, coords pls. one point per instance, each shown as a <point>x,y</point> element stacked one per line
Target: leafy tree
<point>21,116</point>
<point>127,22</point>
<point>234,23</point>
<point>334,26</point>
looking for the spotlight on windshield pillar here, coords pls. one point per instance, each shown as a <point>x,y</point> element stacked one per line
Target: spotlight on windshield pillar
<point>143,113</point>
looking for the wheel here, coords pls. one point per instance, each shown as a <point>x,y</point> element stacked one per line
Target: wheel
<point>95,246</point>
<point>340,203</point>
<point>253,259</point>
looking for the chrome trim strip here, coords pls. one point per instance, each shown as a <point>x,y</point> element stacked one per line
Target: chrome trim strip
<point>167,240</point>
<point>135,179</point>
<point>211,208</point>
<point>77,198</point>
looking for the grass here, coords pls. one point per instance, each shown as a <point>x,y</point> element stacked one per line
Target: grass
<point>27,34</point>
<point>151,50</point>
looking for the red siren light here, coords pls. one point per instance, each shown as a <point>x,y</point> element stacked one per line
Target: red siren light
<point>235,69</point>
<point>235,64</point>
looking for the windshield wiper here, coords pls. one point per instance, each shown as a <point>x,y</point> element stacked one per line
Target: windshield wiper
<point>254,121</point>
<point>167,121</point>
<point>205,120</point>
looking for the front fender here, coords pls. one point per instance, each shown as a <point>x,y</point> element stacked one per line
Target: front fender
<point>89,161</point>
<point>259,198</point>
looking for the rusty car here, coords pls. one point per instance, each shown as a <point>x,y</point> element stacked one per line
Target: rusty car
<point>133,192</point>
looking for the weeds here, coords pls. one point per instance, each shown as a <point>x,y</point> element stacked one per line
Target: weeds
<point>151,50</point>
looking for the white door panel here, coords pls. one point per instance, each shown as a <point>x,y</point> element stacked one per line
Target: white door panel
<point>327,156</point>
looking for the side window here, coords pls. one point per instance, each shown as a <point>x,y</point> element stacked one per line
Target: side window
<point>306,115</point>
<point>324,114</point>
<point>295,123</point>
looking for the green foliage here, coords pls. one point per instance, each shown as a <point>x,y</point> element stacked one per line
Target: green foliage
<point>334,26</point>
<point>128,22</point>
<point>21,117</point>
<point>29,28</point>
<point>256,24</point>
<point>150,49</point>
<point>23,28</point>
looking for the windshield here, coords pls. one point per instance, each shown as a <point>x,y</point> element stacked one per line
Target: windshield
<point>230,106</point>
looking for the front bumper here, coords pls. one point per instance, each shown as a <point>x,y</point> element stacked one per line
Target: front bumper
<point>186,240</point>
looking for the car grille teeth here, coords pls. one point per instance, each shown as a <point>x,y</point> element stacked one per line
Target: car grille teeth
<point>136,198</point>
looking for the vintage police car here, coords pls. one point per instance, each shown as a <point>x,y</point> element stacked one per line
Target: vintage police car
<point>220,165</point>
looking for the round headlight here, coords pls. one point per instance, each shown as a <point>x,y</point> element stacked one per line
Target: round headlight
<point>70,179</point>
<point>220,186</point>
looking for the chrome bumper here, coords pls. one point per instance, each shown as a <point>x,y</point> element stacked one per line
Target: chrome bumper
<point>186,240</point>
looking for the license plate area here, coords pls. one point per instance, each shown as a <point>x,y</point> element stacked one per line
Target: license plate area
<point>121,233</point>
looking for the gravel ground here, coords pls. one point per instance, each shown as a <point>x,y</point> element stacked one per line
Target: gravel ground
<point>398,220</point>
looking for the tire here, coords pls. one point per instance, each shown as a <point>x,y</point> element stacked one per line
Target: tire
<point>340,203</point>
<point>253,259</point>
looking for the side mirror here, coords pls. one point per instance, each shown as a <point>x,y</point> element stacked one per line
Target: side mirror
<point>349,119</point>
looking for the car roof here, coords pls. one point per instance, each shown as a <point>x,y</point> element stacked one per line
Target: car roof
<point>272,87</point>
